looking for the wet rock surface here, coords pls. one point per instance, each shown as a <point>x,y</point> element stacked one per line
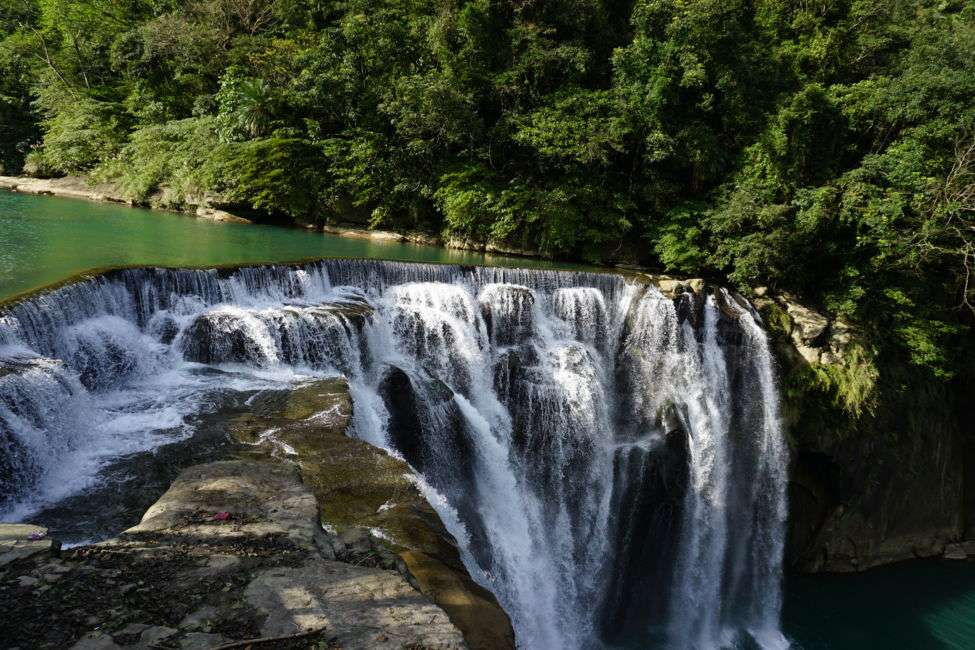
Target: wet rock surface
<point>21,541</point>
<point>224,336</point>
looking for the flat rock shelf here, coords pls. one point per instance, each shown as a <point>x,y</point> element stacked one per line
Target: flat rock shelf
<point>189,576</point>
<point>275,548</point>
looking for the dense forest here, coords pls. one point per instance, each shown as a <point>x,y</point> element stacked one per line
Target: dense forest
<point>821,147</point>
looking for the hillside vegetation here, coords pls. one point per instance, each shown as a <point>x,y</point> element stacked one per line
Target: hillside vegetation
<point>825,148</point>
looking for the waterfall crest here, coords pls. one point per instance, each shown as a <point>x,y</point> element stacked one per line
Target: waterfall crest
<point>610,460</point>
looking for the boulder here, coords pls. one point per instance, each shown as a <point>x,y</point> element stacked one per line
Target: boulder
<point>672,288</point>
<point>812,336</point>
<point>19,541</point>
<point>213,214</point>
<point>808,325</point>
<point>226,336</point>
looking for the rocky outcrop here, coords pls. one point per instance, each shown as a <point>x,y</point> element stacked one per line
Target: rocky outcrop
<point>673,287</point>
<point>309,538</point>
<point>877,471</point>
<point>374,235</point>
<point>812,337</point>
<point>232,551</point>
<point>490,247</point>
<point>222,216</point>
<point>371,506</point>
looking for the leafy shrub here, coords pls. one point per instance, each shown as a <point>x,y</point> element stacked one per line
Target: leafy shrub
<point>277,175</point>
<point>79,132</point>
<point>173,156</point>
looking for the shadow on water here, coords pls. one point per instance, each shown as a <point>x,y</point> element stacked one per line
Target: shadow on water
<point>923,605</point>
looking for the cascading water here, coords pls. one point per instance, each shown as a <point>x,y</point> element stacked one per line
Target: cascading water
<point>610,460</point>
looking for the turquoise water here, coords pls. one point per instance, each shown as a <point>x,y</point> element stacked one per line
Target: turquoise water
<point>44,240</point>
<point>920,605</point>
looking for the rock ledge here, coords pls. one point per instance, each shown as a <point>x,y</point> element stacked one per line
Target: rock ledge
<point>232,551</point>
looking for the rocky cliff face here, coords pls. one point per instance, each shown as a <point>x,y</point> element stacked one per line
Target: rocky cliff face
<point>878,469</point>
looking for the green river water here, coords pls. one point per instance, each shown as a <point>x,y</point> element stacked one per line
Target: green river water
<point>43,240</point>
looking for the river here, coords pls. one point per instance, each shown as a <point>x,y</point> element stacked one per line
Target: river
<point>44,240</point>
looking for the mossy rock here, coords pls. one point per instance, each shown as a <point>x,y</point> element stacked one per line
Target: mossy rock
<point>360,486</point>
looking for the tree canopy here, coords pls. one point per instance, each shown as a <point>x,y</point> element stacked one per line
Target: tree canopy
<point>826,148</point>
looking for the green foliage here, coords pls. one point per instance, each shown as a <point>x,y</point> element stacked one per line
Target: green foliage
<point>171,157</point>
<point>823,148</point>
<point>275,175</point>
<point>678,239</point>
<point>576,125</point>
<point>79,131</point>
<point>246,106</point>
<point>18,121</point>
<point>566,214</point>
<point>851,383</point>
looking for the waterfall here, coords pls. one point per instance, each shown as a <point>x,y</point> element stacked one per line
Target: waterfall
<point>610,460</point>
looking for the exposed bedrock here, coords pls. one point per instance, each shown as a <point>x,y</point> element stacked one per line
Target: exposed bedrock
<point>233,550</point>
<point>368,500</point>
<point>311,531</point>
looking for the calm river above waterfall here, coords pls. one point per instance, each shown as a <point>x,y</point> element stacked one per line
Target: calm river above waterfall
<point>45,240</point>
